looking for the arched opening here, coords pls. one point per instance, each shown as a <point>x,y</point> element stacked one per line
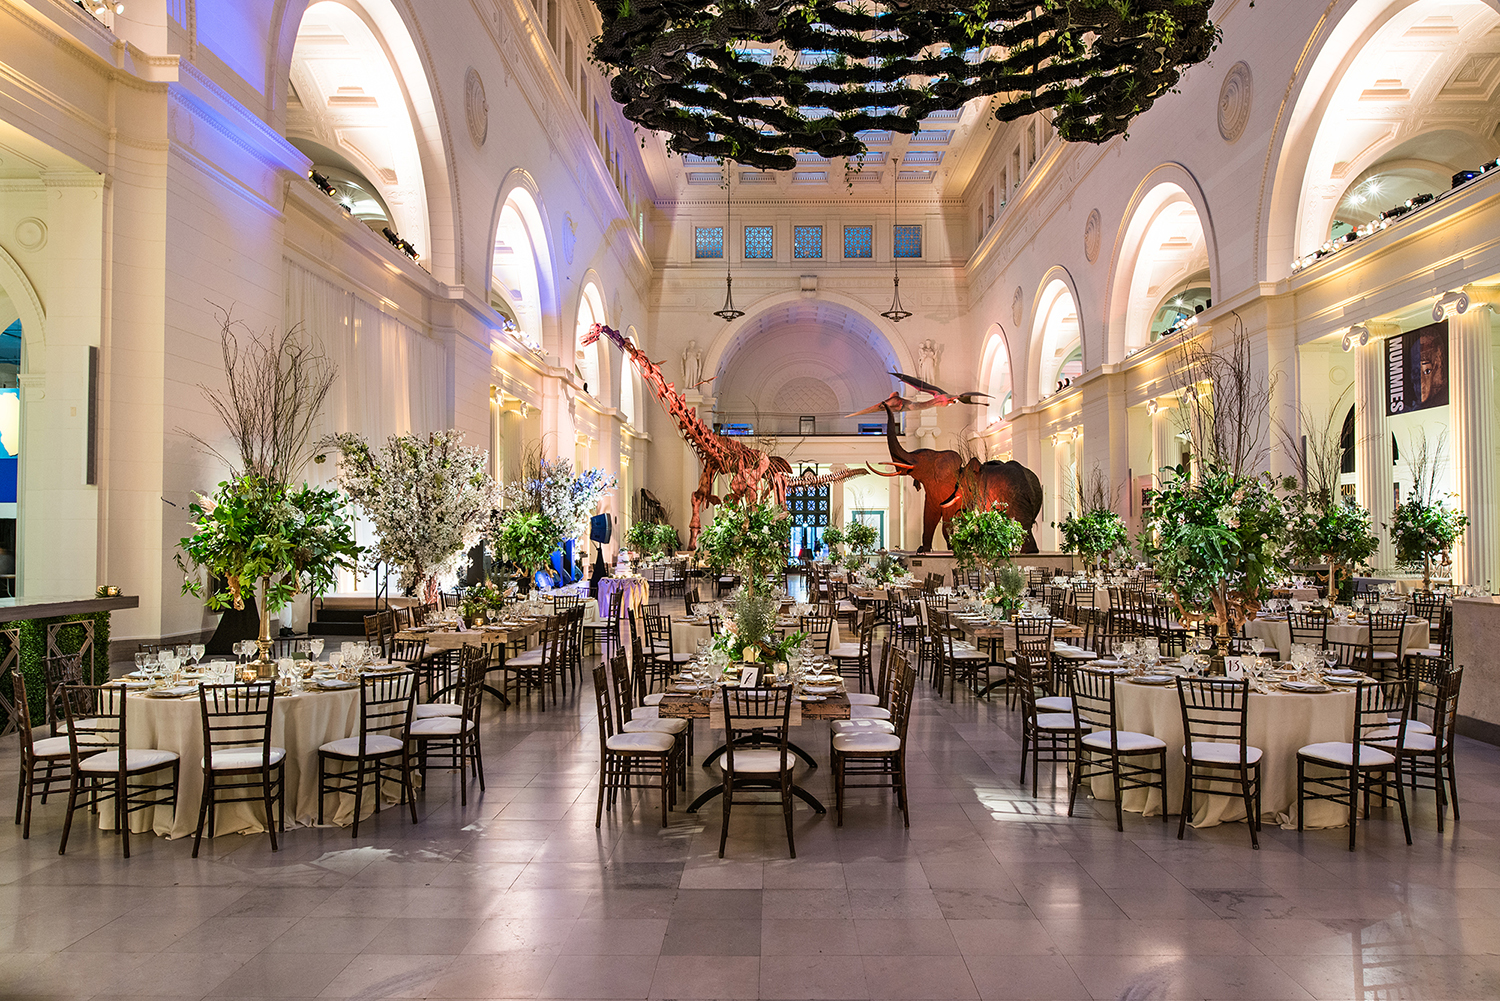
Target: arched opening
<point>1058,336</point>
<point>807,359</point>
<point>516,269</point>
<point>995,376</point>
<point>1162,270</point>
<point>358,105</point>
<point>586,358</point>
<point>1401,95</point>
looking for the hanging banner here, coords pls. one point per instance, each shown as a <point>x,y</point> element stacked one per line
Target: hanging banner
<point>1416,369</point>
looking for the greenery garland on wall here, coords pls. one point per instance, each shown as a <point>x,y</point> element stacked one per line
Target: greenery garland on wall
<point>756,82</point>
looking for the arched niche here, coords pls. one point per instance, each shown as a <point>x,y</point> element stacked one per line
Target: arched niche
<point>1384,73</point>
<point>802,358</point>
<point>590,359</point>
<point>995,375</point>
<point>357,84</point>
<point>1164,263</point>
<point>521,272</point>
<point>1058,349</point>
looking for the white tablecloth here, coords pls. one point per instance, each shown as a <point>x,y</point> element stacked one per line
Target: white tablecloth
<point>299,723</point>
<point>637,592</point>
<point>1279,634</point>
<point>1278,724</point>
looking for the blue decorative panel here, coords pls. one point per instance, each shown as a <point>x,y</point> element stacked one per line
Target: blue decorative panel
<point>908,241</point>
<point>807,242</point>
<point>857,243</point>
<point>757,243</point>
<point>708,241</point>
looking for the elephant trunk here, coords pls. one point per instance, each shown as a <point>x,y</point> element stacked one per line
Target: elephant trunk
<point>899,455</point>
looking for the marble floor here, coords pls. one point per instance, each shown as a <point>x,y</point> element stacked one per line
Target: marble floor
<point>991,894</point>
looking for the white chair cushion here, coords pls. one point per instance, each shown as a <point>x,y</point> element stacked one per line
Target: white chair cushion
<point>1341,754</point>
<point>1219,753</point>
<point>646,712</point>
<point>1419,742</point>
<point>51,747</point>
<point>879,742</point>
<point>1385,655</point>
<point>654,699</point>
<point>960,653</point>
<point>864,699</point>
<point>137,759</point>
<point>757,760</point>
<point>1054,704</point>
<point>868,712</point>
<point>1055,721</point>
<point>845,651</point>
<point>531,658</point>
<point>440,726</point>
<point>673,726</point>
<point>1128,741</point>
<point>230,758</point>
<point>375,745</point>
<point>839,726</point>
<point>1074,653</point>
<point>427,710</point>
<point>663,657</point>
<point>657,742</point>
<point>1412,725</point>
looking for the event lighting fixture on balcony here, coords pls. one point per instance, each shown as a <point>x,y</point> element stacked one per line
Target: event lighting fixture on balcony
<point>761,82</point>
<point>728,312</point>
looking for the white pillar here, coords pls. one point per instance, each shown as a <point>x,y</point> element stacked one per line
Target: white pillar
<point>1472,397</point>
<point>1374,483</point>
<point>1281,366</point>
<point>1164,447</point>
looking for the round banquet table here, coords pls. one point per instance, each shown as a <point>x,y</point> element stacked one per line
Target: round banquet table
<point>1278,633</point>
<point>686,635</point>
<point>1278,723</point>
<point>299,723</point>
<point>636,591</point>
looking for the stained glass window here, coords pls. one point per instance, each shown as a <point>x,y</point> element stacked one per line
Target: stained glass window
<point>708,241</point>
<point>807,242</point>
<point>857,243</point>
<point>908,241</point>
<point>757,243</point>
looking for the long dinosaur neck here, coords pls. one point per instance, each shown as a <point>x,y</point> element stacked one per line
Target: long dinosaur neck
<point>698,434</point>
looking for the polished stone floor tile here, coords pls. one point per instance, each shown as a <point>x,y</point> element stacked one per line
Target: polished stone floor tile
<point>991,894</point>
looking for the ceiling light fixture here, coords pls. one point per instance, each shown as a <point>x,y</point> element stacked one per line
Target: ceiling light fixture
<point>895,314</point>
<point>728,312</point>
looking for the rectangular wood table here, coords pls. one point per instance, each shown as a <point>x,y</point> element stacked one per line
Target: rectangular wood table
<point>497,637</point>
<point>691,707</point>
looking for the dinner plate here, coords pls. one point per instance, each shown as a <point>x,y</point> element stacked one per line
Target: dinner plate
<point>1154,679</point>
<point>134,685</point>
<point>1343,672</point>
<point>1105,662</point>
<point>1106,669</point>
<point>171,693</point>
<point>821,679</point>
<point>332,684</point>
<point>812,698</point>
<point>1304,687</point>
<point>820,689</point>
<point>1344,680</point>
<point>690,687</point>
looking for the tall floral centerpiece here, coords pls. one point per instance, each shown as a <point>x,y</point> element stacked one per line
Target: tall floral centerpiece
<point>568,498</point>
<point>1422,530</point>
<point>1093,535</point>
<point>754,540</point>
<point>527,540</point>
<point>256,529</point>
<point>428,496</point>
<point>1218,541</point>
<point>985,538</point>
<point>833,538</point>
<point>1338,533</point>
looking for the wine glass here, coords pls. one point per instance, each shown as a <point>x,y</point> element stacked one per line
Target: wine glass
<point>140,662</point>
<point>1258,644</point>
<point>197,651</point>
<point>315,645</point>
<point>1331,658</point>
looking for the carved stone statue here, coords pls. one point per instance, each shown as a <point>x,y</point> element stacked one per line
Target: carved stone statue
<point>692,366</point>
<point>927,361</point>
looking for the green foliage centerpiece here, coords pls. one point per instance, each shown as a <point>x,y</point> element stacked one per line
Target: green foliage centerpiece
<point>1423,527</point>
<point>1093,535</point>
<point>753,540</point>
<point>1337,533</point>
<point>525,539</point>
<point>985,538</point>
<point>256,528</point>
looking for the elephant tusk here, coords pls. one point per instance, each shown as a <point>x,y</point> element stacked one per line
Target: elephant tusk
<point>902,469</point>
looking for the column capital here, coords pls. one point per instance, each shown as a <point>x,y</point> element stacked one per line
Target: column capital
<point>1483,295</point>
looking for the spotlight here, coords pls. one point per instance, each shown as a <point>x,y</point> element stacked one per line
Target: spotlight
<point>1359,332</point>
<point>1450,304</point>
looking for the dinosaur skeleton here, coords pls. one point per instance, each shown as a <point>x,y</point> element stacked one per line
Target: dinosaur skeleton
<point>753,474</point>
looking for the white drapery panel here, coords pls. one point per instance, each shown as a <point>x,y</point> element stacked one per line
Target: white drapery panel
<point>391,379</point>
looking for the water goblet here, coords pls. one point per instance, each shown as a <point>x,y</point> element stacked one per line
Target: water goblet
<point>140,662</point>
<point>197,651</point>
<point>316,647</point>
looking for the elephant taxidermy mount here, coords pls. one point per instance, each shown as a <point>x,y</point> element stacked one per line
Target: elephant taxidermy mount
<point>951,485</point>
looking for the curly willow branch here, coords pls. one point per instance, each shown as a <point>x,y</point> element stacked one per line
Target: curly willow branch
<point>755,82</point>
